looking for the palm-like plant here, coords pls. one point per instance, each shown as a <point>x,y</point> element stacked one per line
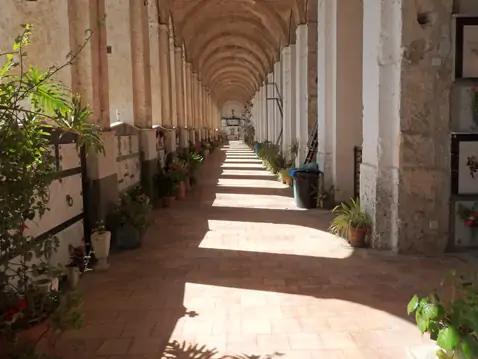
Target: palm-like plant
<point>349,215</point>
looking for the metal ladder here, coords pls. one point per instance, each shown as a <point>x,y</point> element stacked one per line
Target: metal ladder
<point>280,103</point>
<point>312,143</point>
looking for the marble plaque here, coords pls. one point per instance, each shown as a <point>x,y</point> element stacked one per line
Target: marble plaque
<point>468,168</point>
<point>464,235</point>
<point>470,51</point>
<point>464,117</point>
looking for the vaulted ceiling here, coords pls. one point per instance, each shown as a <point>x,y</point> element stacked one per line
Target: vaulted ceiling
<point>232,44</point>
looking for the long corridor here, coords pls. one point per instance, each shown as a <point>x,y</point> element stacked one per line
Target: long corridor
<point>236,269</point>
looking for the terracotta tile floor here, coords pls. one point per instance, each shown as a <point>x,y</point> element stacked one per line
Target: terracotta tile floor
<point>238,269</point>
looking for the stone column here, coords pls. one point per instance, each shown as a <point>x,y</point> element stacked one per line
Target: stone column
<point>185,137</point>
<point>340,93</point>
<point>140,63</point>
<point>142,95</point>
<point>197,133</point>
<point>155,71</point>
<point>404,179</point>
<point>312,46</point>
<point>89,78</point>
<point>190,102</point>
<point>301,92</point>
<point>180,96</point>
<point>200,110</point>
<point>270,106</point>
<point>277,103</point>
<point>264,119</point>
<point>171,135</point>
<point>289,97</point>
<point>165,75</point>
<point>89,71</point>
<point>120,59</point>
<point>327,62</point>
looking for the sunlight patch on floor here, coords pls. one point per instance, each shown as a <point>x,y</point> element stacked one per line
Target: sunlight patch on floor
<point>247,173</point>
<point>244,165</point>
<point>255,201</point>
<point>242,160</point>
<point>250,183</point>
<point>288,239</point>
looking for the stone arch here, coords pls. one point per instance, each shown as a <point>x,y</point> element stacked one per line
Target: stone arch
<point>234,64</point>
<point>231,94</point>
<point>219,58</point>
<point>266,14</point>
<point>234,44</point>
<point>245,27</point>
<point>228,86</point>
<point>234,41</point>
<point>230,75</point>
<point>234,51</point>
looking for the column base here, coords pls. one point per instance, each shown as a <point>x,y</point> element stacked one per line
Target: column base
<point>408,216</point>
<point>183,139</point>
<point>103,189</point>
<point>149,163</point>
<point>170,141</point>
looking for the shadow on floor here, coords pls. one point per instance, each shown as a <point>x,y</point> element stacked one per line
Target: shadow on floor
<point>197,242</point>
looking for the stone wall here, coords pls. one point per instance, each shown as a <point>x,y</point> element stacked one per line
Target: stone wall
<point>406,92</point>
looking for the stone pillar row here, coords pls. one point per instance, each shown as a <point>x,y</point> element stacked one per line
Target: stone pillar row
<point>133,71</point>
<point>287,82</point>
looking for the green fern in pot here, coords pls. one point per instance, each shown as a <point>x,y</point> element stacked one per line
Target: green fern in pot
<point>351,222</point>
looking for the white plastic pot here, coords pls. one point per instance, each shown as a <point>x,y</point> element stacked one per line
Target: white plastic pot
<point>101,245</point>
<point>73,275</point>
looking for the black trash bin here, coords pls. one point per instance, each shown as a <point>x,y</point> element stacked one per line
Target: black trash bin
<point>305,188</point>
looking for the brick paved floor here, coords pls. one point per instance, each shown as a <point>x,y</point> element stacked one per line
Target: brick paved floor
<point>237,268</point>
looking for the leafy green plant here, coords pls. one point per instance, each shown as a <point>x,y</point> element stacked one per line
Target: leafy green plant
<point>452,322</point>
<point>166,184</point>
<point>133,208</point>
<point>32,107</point>
<point>349,215</point>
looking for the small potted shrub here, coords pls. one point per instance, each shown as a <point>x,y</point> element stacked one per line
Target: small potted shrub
<point>178,173</point>
<point>450,318</point>
<point>351,222</point>
<point>129,219</point>
<point>77,264</point>
<point>285,177</point>
<point>166,188</point>
<point>101,241</point>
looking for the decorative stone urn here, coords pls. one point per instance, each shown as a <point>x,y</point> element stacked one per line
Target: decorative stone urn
<point>100,240</point>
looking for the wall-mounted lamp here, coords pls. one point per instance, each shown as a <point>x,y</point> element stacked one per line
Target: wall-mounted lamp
<point>217,130</point>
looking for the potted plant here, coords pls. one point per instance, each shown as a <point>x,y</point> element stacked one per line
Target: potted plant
<point>129,219</point>
<point>101,241</point>
<point>179,173</point>
<point>351,222</point>
<point>285,177</point>
<point>451,317</point>
<point>166,188</point>
<point>77,264</point>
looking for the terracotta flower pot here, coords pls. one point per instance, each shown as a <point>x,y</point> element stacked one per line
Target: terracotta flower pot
<point>288,181</point>
<point>357,237</point>
<point>187,183</point>
<point>168,201</point>
<point>181,191</point>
